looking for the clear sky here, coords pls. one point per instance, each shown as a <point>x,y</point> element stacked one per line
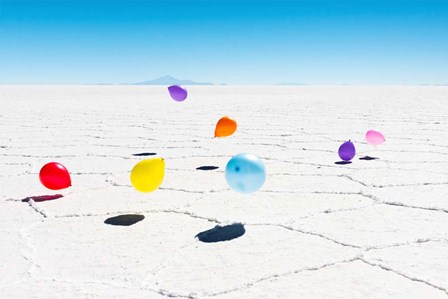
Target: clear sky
<point>233,42</point>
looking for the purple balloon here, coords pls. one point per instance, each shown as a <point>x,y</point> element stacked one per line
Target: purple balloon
<point>178,93</point>
<point>347,151</point>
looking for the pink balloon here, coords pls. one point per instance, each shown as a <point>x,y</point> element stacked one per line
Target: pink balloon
<point>374,137</point>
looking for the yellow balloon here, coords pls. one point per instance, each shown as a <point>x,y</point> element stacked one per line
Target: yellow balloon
<point>147,175</point>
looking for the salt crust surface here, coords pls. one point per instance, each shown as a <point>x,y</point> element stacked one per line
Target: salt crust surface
<point>316,229</point>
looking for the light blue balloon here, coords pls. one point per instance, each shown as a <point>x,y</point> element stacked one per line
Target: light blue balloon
<point>245,173</point>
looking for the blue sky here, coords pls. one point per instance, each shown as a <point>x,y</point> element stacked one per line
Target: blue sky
<point>233,42</point>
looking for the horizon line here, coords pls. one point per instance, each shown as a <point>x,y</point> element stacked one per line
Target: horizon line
<point>225,84</point>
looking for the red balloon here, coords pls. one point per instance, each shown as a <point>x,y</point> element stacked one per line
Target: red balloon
<point>55,176</point>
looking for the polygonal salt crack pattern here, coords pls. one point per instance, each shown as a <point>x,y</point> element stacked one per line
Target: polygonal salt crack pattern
<point>316,229</point>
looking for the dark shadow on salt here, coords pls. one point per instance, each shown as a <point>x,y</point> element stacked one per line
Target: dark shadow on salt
<point>144,154</point>
<point>343,162</point>
<point>124,220</point>
<point>207,168</point>
<point>368,158</point>
<point>41,198</point>
<point>222,233</point>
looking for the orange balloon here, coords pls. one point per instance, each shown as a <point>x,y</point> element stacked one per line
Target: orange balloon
<point>225,127</point>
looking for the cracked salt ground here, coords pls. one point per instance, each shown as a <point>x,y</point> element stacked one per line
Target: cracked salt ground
<point>378,225</point>
<point>427,260</point>
<point>350,279</point>
<point>426,196</point>
<point>261,245</point>
<point>371,229</point>
<point>256,208</point>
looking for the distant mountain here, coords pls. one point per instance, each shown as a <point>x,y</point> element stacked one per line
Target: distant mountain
<point>292,83</point>
<point>168,80</point>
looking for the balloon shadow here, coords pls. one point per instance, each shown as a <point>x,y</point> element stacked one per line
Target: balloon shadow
<point>41,198</point>
<point>144,154</point>
<point>124,220</point>
<point>207,167</point>
<point>222,233</point>
<point>343,162</point>
<point>368,158</point>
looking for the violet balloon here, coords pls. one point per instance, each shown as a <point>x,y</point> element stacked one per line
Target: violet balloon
<point>374,137</point>
<point>347,151</point>
<point>177,93</point>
